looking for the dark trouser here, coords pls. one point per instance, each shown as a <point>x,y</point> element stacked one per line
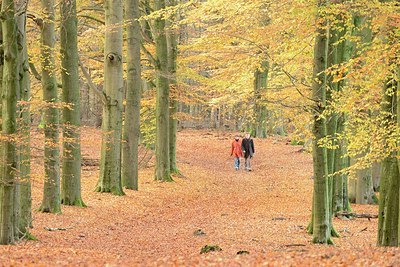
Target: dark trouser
<point>247,163</point>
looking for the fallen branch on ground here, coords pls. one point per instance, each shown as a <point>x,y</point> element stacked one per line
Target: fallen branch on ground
<point>295,245</point>
<point>355,215</point>
<point>56,229</point>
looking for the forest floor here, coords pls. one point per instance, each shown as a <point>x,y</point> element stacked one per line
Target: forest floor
<point>264,212</point>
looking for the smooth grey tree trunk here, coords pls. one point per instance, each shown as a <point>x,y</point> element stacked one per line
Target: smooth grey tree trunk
<point>398,153</point>
<point>1,68</point>
<point>341,195</point>
<point>389,206</point>
<point>364,190</point>
<point>162,168</point>
<point>131,132</point>
<point>25,201</point>
<point>321,223</point>
<point>376,175</point>
<point>364,185</point>
<point>340,199</point>
<point>110,163</point>
<point>71,163</point>
<point>8,150</point>
<point>51,191</point>
<point>388,221</point>
<point>260,110</point>
<point>172,44</point>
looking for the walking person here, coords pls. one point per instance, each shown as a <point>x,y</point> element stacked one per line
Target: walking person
<point>236,151</point>
<point>248,150</point>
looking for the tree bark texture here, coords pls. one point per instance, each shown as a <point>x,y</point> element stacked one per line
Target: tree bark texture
<point>172,44</point>
<point>71,163</point>
<point>110,163</point>
<point>162,168</point>
<point>25,202</point>
<point>8,150</point>
<point>260,110</point>
<point>51,191</point>
<point>131,133</point>
<point>321,222</point>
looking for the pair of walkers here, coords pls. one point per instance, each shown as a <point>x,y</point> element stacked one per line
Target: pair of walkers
<point>243,148</point>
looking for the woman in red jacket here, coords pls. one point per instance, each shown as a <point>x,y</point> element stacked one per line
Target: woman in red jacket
<point>236,151</point>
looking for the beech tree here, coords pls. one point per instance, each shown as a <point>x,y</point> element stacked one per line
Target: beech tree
<point>71,163</point>
<point>388,221</point>
<point>162,168</point>
<point>110,162</point>
<point>25,202</point>
<point>340,190</point>
<point>364,193</point>
<point>172,44</point>
<point>131,131</point>
<point>337,181</point>
<point>321,221</point>
<point>260,110</point>
<point>51,191</point>
<point>8,149</point>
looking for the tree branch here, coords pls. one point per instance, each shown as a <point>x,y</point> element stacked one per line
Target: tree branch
<point>92,86</point>
<point>34,71</point>
<point>36,18</point>
<point>37,75</point>
<point>290,76</point>
<point>148,54</point>
<point>92,18</point>
<point>146,37</point>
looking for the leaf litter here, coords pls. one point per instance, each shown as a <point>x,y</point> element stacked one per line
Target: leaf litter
<point>264,212</point>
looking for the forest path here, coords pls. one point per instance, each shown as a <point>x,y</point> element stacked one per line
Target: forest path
<point>264,212</point>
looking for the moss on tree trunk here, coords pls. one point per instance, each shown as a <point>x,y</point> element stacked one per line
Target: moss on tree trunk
<point>321,209</point>
<point>71,163</point>
<point>51,191</point>
<point>25,201</point>
<point>172,44</point>
<point>162,168</point>
<point>8,150</point>
<point>110,163</point>
<point>131,131</point>
<point>260,110</point>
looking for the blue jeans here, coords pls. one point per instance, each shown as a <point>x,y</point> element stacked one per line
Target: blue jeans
<point>237,163</point>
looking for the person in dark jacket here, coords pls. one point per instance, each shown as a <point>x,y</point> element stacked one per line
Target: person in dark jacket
<point>248,150</point>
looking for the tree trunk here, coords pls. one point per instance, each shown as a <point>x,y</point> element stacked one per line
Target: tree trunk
<point>388,222</point>
<point>25,213</point>
<point>71,163</point>
<point>51,194</point>
<point>398,153</point>
<point>131,131</point>
<point>352,185</point>
<point>8,151</point>
<point>1,70</point>
<point>376,175</point>
<point>162,168</point>
<point>110,164</point>
<point>335,57</point>
<point>340,196</point>
<point>364,190</point>
<point>321,222</point>
<point>172,44</point>
<point>341,192</point>
<point>260,110</point>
